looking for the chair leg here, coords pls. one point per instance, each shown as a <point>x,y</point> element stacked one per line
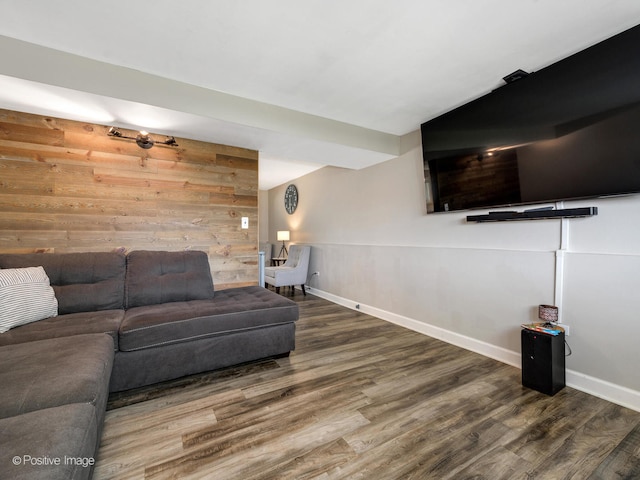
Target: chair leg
<point>304,292</point>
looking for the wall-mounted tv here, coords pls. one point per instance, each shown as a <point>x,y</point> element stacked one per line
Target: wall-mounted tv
<point>568,131</point>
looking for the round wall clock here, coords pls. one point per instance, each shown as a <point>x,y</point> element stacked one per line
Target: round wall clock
<point>291,199</point>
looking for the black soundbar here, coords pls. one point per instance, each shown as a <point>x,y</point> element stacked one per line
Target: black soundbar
<point>542,214</point>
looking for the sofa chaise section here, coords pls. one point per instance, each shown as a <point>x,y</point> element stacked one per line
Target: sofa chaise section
<point>58,371</point>
<point>52,406</point>
<point>176,325</point>
<point>65,435</point>
<point>234,310</point>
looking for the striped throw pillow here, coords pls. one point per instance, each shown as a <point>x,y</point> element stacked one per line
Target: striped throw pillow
<point>25,296</point>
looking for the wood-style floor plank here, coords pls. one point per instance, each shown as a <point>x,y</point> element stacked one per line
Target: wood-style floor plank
<point>624,461</point>
<point>364,399</point>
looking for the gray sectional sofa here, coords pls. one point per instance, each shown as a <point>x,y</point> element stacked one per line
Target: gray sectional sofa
<point>124,321</point>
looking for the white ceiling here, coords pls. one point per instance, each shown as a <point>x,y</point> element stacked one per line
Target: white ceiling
<point>307,82</point>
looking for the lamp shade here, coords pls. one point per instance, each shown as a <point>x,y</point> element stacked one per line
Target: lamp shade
<point>283,235</point>
<point>548,313</point>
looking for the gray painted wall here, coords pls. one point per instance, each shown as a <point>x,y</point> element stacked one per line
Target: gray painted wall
<point>474,284</point>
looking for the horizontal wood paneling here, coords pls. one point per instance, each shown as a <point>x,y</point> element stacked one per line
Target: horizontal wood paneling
<point>67,186</point>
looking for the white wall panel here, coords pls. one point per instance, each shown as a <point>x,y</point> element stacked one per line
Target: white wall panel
<point>602,306</point>
<point>483,294</point>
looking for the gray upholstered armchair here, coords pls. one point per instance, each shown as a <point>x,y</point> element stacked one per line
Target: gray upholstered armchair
<point>293,272</point>
<point>267,248</point>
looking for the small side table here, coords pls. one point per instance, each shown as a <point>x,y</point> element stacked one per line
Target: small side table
<point>543,362</point>
<point>276,261</point>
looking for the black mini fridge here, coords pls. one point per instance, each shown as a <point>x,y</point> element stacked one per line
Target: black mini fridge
<point>543,361</point>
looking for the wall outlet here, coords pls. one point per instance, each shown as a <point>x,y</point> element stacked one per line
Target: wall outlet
<point>245,222</point>
<point>566,328</point>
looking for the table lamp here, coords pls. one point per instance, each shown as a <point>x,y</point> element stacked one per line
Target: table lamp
<point>283,235</point>
<point>548,313</point>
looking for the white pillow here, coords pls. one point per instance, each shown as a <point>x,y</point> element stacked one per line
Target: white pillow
<point>25,296</point>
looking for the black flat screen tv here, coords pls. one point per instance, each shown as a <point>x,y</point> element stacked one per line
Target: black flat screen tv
<point>568,131</point>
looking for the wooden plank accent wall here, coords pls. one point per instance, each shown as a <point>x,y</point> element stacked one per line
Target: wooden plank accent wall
<point>66,186</point>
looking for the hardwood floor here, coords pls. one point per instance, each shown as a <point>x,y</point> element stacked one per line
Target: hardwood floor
<point>364,399</point>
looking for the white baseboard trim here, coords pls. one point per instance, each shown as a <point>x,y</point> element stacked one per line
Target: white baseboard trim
<point>594,386</point>
<point>597,387</point>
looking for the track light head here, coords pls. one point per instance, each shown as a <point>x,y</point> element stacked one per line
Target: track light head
<point>114,132</point>
<point>144,140</point>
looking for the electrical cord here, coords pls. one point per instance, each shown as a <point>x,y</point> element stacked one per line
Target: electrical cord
<point>565,350</point>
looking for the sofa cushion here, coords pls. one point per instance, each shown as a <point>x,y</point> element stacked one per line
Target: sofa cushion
<point>28,441</point>
<point>231,310</point>
<point>160,277</point>
<point>53,372</point>
<point>82,282</point>
<point>102,321</point>
<point>25,296</point>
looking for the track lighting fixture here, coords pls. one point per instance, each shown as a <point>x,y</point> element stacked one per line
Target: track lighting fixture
<point>142,139</point>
